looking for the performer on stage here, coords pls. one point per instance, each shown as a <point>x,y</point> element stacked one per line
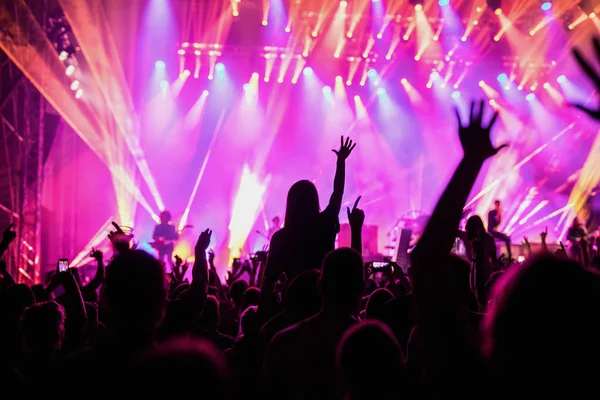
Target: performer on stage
<point>494,220</point>
<point>577,236</point>
<point>275,227</point>
<point>164,237</point>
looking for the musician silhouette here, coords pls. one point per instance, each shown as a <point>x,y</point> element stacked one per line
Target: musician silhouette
<point>164,237</point>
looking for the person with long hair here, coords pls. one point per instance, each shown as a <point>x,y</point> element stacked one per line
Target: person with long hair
<point>481,249</point>
<point>308,233</point>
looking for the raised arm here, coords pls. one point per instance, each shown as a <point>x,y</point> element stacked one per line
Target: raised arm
<point>594,77</point>
<point>356,218</point>
<point>200,268</point>
<point>7,237</point>
<point>339,181</point>
<point>98,278</point>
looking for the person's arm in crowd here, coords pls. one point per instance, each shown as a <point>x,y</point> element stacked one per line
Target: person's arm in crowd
<point>73,303</point>
<point>200,268</point>
<point>217,282</point>
<point>6,276</point>
<point>339,181</point>
<point>7,238</point>
<point>543,237</point>
<point>442,324</point>
<point>527,246</point>
<point>356,218</point>
<point>98,278</point>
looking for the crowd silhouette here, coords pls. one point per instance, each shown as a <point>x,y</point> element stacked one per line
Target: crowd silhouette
<point>311,323</point>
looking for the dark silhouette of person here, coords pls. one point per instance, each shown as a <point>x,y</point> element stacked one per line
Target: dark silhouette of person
<point>208,325</point>
<point>535,334</point>
<point>577,237</point>
<point>308,235</point>
<point>374,309</point>
<point>43,331</point>
<point>481,249</point>
<point>165,234</point>
<point>301,299</point>
<point>300,360</point>
<point>177,367</point>
<point>371,363</point>
<point>494,221</point>
<point>13,301</point>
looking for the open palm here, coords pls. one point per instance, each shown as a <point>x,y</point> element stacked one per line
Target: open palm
<point>345,148</point>
<point>475,137</point>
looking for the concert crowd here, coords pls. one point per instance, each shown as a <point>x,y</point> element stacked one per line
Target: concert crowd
<point>306,321</point>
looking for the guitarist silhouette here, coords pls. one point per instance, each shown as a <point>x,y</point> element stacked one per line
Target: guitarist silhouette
<point>164,237</point>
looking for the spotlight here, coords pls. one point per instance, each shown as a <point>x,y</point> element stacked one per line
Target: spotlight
<point>404,81</point>
<point>381,91</point>
<point>561,79</point>
<point>326,90</point>
<point>546,6</point>
<point>314,33</point>
<point>264,23</point>
<point>520,258</point>
<point>307,71</point>
<point>197,52</point>
<point>498,11</point>
<point>418,7</point>
<point>455,95</point>
<point>502,77</point>
<point>255,75</point>
<point>530,97</point>
<point>338,78</point>
<point>520,87</point>
<point>379,36</point>
<point>185,45</point>
<point>205,92</point>
<point>288,29</point>
<point>434,76</point>
<point>444,3</point>
<point>159,64</point>
<point>220,67</point>
<point>236,13</point>
<point>69,70</point>
<point>79,93</point>
<point>492,102</point>
<point>246,86</point>
<point>348,83</point>
<point>186,73</point>
<point>181,52</point>
<point>74,85</point>
<point>63,55</point>
<point>164,84</point>
<point>546,85</point>
<point>343,3</point>
<point>372,74</point>
<point>481,83</point>
<point>356,97</point>
<point>210,77</point>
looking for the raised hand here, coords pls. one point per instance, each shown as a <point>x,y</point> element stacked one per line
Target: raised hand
<point>96,255</point>
<point>593,75</point>
<point>203,242</point>
<point>9,235</point>
<point>543,235</point>
<point>475,137</point>
<point>345,148</point>
<point>211,258</point>
<point>356,217</point>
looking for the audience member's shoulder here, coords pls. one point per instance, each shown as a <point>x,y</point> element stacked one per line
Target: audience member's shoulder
<point>294,331</point>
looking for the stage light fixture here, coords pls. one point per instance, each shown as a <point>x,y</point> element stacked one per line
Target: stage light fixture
<point>561,79</point>
<point>185,45</point>
<point>444,3</point>
<point>186,73</point>
<point>434,76</point>
<point>546,6</point>
<point>236,13</point>
<point>520,87</point>
<point>288,29</point>
<point>492,102</point>
<point>326,90</point>
<point>418,7</point>
<point>205,93</point>
<point>404,81</point>
<point>220,67</point>
<point>264,22</point>
<point>381,91</point>
<point>74,85</point>
<point>481,83</point>
<point>307,71</point>
<point>164,84</point>
<point>181,52</point>
<point>63,55</point>
<point>70,70</point>
<point>197,52</point>
<point>246,86</point>
<point>530,97</point>
<point>498,11</point>
<point>546,85</point>
<point>379,36</point>
<point>210,77</point>
<point>79,93</point>
<point>502,77</point>
<point>160,64</point>
<point>372,74</point>
<point>455,95</point>
<point>356,97</point>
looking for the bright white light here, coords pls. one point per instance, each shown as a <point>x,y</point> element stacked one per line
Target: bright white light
<point>79,93</point>
<point>74,85</point>
<point>160,64</point>
<point>63,55</point>
<point>70,70</point>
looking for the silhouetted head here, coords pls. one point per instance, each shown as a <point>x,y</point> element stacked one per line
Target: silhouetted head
<point>302,204</point>
<point>276,221</point>
<point>173,366</point>
<point>209,318</point>
<point>301,298</point>
<point>165,217</point>
<point>576,223</point>
<point>497,204</point>
<point>376,304</point>
<point>342,279</point>
<point>535,333</point>
<point>238,288</point>
<point>13,301</point>
<point>43,328</point>
<point>474,227</point>
<point>134,294</point>
<point>370,362</point>
<point>249,321</point>
<point>251,297</point>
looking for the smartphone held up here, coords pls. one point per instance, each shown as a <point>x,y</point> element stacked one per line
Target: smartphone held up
<point>62,266</point>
